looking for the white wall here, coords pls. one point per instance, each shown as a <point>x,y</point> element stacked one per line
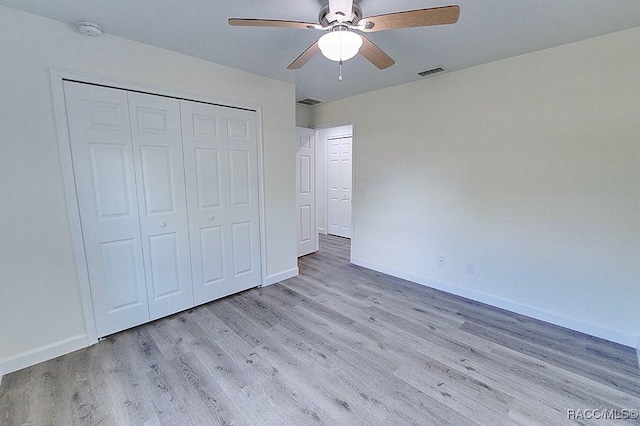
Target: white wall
<point>303,116</point>
<point>40,309</point>
<point>529,168</point>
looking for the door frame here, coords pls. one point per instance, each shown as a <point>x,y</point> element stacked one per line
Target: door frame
<point>322,157</point>
<point>337,215</point>
<point>57,77</point>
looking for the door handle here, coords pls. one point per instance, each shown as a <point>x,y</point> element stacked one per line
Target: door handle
<point>212,217</point>
<point>163,224</point>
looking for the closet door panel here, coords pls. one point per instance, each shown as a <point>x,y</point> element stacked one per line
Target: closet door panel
<point>244,210</point>
<point>206,218</point>
<point>212,255</point>
<point>240,188</point>
<point>243,261</point>
<point>206,175</point>
<point>220,154</point>
<point>103,165</point>
<point>121,274</point>
<point>158,180</point>
<point>109,174</point>
<point>157,142</point>
<point>164,260</point>
<point>207,169</point>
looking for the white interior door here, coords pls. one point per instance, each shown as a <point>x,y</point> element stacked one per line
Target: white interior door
<point>339,173</point>
<point>221,172</point>
<point>307,232</point>
<point>103,165</point>
<point>157,145</point>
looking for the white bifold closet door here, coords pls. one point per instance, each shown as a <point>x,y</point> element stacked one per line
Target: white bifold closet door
<point>102,150</point>
<point>157,153</point>
<point>154,231</point>
<point>222,191</point>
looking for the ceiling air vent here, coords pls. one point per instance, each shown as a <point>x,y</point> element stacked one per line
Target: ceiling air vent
<point>309,102</point>
<point>432,71</point>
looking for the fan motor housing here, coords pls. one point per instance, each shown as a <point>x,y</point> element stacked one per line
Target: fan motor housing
<point>325,18</point>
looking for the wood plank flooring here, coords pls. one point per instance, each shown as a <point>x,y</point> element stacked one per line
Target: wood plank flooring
<point>337,345</point>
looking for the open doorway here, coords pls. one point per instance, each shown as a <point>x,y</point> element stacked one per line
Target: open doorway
<point>339,186</point>
<point>334,180</point>
<point>324,181</point>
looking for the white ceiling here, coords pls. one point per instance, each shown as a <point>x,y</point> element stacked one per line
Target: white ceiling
<point>487,30</point>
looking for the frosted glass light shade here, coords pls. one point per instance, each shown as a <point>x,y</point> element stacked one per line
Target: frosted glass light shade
<point>340,45</point>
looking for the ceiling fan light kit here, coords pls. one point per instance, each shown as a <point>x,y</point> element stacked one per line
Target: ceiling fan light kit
<point>340,45</point>
<point>341,18</point>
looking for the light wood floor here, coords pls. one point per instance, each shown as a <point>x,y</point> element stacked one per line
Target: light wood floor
<point>337,345</point>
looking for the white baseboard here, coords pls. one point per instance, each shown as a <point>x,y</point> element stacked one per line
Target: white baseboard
<point>281,276</point>
<point>530,311</point>
<point>41,354</point>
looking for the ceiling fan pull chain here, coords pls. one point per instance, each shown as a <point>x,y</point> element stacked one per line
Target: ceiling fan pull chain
<point>340,76</point>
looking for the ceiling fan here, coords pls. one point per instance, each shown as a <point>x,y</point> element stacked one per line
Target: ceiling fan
<point>341,18</point>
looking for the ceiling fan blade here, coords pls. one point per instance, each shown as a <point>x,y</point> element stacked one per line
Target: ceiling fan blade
<point>304,57</point>
<point>341,6</point>
<point>241,22</point>
<point>375,55</point>
<point>412,18</point>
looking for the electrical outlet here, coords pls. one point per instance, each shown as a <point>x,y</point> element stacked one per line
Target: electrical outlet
<point>441,261</point>
<point>470,268</point>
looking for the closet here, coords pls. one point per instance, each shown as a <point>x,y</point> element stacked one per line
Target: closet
<point>167,191</point>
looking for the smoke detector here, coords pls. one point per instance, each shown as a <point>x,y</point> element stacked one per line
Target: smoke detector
<point>89,29</point>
